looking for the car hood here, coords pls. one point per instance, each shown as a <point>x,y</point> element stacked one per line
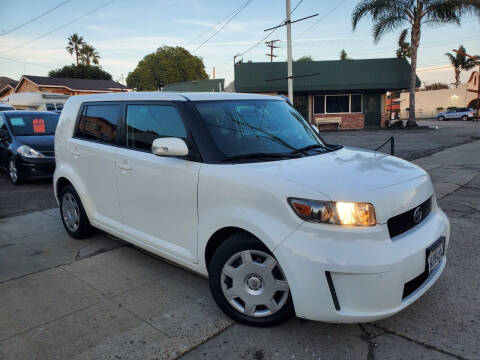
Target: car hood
<point>39,142</point>
<point>391,184</point>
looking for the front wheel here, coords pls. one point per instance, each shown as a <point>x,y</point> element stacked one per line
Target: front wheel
<point>464,117</point>
<point>248,283</point>
<point>14,173</point>
<point>441,118</point>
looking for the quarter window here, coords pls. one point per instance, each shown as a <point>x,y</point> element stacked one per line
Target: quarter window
<point>99,123</point>
<point>50,107</point>
<point>146,123</point>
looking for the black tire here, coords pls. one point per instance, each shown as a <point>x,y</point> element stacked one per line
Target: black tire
<point>441,118</point>
<point>234,245</point>
<point>84,228</point>
<point>464,117</point>
<point>16,179</point>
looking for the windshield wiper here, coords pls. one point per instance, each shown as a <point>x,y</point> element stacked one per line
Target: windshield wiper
<point>260,155</point>
<point>309,147</point>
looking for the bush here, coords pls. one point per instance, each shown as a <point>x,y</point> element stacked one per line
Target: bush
<point>81,71</point>
<point>440,108</point>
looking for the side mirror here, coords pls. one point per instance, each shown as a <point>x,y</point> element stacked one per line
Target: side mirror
<point>169,146</point>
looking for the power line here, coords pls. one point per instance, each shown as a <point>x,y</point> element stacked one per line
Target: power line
<point>270,33</point>
<point>58,28</point>
<point>214,26</point>
<point>226,23</point>
<point>322,18</point>
<point>25,62</point>
<point>35,18</point>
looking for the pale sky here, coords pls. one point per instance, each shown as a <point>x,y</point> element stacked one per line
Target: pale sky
<point>125,31</point>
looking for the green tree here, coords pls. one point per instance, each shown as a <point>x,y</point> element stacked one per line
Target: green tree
<point>388,15</point>
<point>343,55</point>
<point>460,62</point>
<point>166,65</point>
<point>81,71</point>
<point>305,58</point>
<point>75,42</point>
<point>88,55</point>
<point>404,49</point>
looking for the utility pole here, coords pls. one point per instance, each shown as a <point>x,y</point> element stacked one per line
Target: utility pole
<point>477,60</point>
<point>289,52</point>
<point>271,45</point>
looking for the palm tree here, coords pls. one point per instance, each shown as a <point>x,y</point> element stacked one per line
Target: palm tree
<point>388,15</point>
<point>404,49</point>
<point>89,55</point>
<point>460,62</point>
<point>74,44</point>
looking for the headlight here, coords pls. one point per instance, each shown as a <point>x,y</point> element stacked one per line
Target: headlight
<point>340,213</point>
<point>28,152</point>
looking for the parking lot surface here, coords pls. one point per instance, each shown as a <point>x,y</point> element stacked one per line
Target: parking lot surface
<point>101,298</point>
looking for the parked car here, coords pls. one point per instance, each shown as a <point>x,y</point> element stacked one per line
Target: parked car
<point>6,107</point>
<point>26,144</point>
<point>457,113</point>
<point>241,189</point>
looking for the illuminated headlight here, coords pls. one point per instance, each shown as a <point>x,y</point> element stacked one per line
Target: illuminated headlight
<point>28,152</point>
<point>339,213</point>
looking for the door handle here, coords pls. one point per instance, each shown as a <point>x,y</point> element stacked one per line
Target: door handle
<point>124,166</point>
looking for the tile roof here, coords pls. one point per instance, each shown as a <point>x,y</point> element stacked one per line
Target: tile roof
<point>76,84</point>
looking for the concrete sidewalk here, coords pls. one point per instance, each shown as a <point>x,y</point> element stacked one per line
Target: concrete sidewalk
<point>103,299</point>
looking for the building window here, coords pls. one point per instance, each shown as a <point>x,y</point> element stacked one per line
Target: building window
<point>337,104</point>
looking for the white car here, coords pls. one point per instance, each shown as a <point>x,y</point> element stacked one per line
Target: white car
<point>240,188</point>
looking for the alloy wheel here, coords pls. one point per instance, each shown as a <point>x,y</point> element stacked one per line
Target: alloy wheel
<point>70,212</point>
<point>254,284</point>
<point>13,172</point>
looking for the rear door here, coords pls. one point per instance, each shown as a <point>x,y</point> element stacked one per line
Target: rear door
<point>158,195</point>
<point>92,153</point>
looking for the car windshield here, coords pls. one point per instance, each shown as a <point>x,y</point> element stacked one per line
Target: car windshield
<point>248,127</point>
<point>30,125</point>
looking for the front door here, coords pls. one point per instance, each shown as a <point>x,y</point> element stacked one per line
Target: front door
<point>158,195</point>
<point>372,111</point>
<point>300,103</point>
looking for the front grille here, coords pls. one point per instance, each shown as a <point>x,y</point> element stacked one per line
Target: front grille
<point>399,224</point>
<point>414,284</point>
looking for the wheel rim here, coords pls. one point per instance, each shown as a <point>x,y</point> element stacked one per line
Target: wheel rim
<point>70,212</point>
<point>13,171</point>
<point>254,284</point>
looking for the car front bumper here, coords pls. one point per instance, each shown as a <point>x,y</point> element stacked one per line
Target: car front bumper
<point>363,269</point>
<point>36,168</point>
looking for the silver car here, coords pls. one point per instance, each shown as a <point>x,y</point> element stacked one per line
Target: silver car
<point>456,113</point>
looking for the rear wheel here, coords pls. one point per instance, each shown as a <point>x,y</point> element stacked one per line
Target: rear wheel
<point>248,283</point>
<point>441,118</point>
<point>14,173</point>
<point>73,214</point>
<point>464,117</point>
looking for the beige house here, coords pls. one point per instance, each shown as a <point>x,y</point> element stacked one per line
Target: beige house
<point>427,102</point>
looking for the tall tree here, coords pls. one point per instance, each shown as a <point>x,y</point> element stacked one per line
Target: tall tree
<point>404,49</point>
<point>388,15</point>
<point>89,55</point>
<point>460,62</point>
<point>75,42</point>
<point>305,58</point>
<point>343,55</point>
<point>166,65</point>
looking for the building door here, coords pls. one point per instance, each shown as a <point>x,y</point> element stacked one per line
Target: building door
<point>300,103</point>
<point>372,111</point>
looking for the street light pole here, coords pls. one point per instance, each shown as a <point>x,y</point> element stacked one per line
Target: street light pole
<point>289,53</point>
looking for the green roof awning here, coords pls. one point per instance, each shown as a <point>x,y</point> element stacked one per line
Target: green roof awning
<point>337,75</point>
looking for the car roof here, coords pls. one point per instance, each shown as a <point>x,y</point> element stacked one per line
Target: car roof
<point>28,112</point>
<point>172,96</point>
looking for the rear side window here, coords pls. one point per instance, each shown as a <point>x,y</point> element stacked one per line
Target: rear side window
<point>99,123</point>
<point>146,123</point>
<point>50,107</point>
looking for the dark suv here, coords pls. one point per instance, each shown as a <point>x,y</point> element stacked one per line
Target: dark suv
<point>27,144</point>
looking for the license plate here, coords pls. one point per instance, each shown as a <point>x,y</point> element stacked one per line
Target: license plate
<point>435,253</point>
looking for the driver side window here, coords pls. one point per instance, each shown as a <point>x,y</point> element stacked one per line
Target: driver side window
<point>146,123</point>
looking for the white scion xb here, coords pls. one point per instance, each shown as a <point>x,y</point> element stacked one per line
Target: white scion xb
<point>241,189</point>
